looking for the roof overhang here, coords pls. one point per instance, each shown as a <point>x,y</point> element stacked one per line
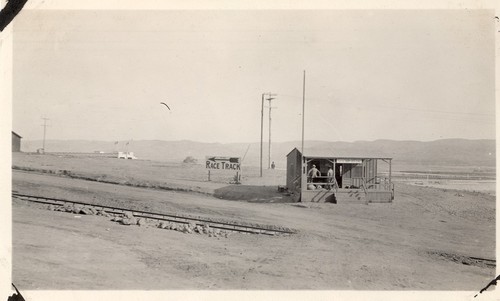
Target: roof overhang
<point>345,157</point>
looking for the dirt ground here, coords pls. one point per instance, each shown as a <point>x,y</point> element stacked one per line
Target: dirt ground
<point>488,187</point>
<point>415,243</point>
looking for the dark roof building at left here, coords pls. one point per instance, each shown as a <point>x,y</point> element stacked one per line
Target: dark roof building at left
<point>16,142</point>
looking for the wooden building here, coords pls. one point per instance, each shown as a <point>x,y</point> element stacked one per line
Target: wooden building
<point>16,142</point>
<point>338,179</point>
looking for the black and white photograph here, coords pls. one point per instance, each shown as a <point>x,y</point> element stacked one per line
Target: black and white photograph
<point>254,149</point>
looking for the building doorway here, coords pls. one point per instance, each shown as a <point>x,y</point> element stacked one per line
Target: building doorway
<point>338,174</point>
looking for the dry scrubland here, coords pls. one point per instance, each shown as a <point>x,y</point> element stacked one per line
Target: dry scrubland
<point>424,240</point>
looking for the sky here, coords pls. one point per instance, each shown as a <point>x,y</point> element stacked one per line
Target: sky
<point>370,74</point>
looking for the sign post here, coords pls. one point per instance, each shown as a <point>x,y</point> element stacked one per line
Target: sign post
<point>223,163</point>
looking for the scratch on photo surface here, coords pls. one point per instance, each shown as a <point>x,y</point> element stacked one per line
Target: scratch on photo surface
<point>16,296</point>
<point>10,11</point>
<point>492,282</point>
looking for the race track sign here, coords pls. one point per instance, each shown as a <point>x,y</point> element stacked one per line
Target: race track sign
<point>223,163</point>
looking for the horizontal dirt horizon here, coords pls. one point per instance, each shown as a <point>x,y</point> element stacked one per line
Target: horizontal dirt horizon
<point>412,155</point>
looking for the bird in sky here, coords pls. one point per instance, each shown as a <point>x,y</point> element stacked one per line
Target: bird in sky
<point>165,105</point>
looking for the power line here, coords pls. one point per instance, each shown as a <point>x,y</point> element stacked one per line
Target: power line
<point>435,111</point>
<point>398,108</point>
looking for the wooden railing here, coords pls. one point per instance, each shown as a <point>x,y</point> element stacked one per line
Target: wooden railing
<point>380,183</point>
<point>363,185</point>
<point>331,185</point>
<point>335,185</point>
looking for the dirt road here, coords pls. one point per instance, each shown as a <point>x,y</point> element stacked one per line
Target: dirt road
<point>411,244</point>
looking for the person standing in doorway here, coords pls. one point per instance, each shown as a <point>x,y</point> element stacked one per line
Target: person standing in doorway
<point>331,179</point>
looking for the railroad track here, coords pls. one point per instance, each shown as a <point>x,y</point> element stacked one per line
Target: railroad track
<point>163,217</point>
<point>488,262</point>
<point>467,260</point>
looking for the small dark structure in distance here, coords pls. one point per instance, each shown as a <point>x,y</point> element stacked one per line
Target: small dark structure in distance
<point>16,142</point>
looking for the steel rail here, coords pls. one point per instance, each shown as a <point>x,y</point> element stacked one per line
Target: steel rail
<point>158,216</point>
<point>485,260</point>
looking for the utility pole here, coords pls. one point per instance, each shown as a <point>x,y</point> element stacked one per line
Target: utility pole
<point>303,110</point>
<point>270,107</point>
<point>261,131</point>
<point>262,127</point>
<point>44,132</point>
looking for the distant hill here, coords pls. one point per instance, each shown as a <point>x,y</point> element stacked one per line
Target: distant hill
<point>446,152</point>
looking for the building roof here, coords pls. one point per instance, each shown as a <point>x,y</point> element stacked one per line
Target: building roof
<point>16,134</point>
<point>294,149</point>
<point>333,154</point>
